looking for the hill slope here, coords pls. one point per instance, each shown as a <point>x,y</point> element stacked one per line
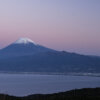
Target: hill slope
<point>80,94</point>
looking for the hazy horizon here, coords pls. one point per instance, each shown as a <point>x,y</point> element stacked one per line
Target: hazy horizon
<point>69,25</point>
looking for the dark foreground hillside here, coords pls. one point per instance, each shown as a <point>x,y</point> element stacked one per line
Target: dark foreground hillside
<point>78,94</point>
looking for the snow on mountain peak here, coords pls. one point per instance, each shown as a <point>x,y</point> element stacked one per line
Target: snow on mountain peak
<point>24,41</point>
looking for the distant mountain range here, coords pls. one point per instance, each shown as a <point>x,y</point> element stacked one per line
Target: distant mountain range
<point>26,56</point>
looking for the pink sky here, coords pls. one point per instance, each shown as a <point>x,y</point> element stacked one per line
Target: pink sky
<point>59,24</point>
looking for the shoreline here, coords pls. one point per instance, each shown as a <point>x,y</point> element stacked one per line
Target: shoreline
<point>53,73</point>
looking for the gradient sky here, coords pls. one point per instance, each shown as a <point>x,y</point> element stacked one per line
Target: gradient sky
<point>71,25</point>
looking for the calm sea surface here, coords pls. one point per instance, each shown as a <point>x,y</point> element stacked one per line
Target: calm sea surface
<point>26,84</point>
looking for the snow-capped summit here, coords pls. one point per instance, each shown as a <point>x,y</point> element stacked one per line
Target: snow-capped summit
<point>24,46</point>
<point>24,41</point>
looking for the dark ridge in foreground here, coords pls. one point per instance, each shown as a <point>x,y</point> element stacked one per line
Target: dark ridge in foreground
<point>77,94</point>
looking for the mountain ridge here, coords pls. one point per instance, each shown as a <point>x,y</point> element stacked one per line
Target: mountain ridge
<point>30,57</point>
<point>23,46</point>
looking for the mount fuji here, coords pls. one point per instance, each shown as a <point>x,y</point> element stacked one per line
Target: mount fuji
<point>24,41</point>
<point>24,55</point>
<point>23,46</point>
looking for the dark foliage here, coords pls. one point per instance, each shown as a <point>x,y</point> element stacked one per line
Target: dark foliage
<point>78,94</point>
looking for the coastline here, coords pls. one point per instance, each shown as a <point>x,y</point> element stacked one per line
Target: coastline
<point>53,73</point>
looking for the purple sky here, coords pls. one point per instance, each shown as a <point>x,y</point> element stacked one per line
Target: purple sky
<point>71,25</point>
